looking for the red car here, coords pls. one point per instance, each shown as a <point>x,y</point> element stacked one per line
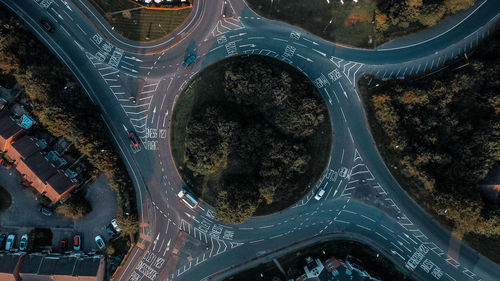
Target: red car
<point>134,139</point>
<point>64,245</point>
<point>6,165</point>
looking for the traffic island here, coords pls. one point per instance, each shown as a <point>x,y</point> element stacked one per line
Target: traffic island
<point>250,135</point>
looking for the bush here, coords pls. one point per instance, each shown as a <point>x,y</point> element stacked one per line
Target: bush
<point>76,207</point>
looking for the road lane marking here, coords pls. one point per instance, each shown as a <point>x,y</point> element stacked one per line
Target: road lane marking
<point>368,218</point>
<point>267,226</point>
<point>363,227</point>
<point>256,241</point>
<point>381,235</point>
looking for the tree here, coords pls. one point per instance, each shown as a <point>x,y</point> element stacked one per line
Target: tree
<point>75,207</point>
<point>128,224</point>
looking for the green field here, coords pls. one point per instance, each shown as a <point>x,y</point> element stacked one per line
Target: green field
<point>366,23</point>
<point>139,24</point>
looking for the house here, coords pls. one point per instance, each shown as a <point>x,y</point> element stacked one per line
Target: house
<point>8,266</point>
<point>37,171</point>
<point>10,131</point>
<point>42,267</point>
<point>333,269</point>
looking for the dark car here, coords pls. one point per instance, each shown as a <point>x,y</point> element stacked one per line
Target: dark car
<point>134,139</point>
<point>48,25</point>
<point>6,165</point>
<point>2,240</point>
<point>188,61</point>
<point>64,245</point>
<point>44,210</point>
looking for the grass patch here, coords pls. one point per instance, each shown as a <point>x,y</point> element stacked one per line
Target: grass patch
<point>146,25</point>
<point>209,89</point>
<point>5,199</point>
<point>362,24</point>
<point>350,23</point>
<point>139,24</point>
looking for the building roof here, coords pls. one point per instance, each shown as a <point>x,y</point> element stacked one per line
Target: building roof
<point>60,182</point>
<point>331,264</point>
<point>8,262</point>
<point>8,127</point>
<point>40,166</point>
<point>25,146</point>
<point>71,268</point>
<point>31,263</point>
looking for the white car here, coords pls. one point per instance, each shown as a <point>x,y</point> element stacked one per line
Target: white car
<point>100,242</point>
<point>319,194</point>
<point>10,242</point>
<point>23,244</point>
<point>114,223</point>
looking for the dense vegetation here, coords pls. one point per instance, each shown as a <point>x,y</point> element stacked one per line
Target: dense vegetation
<point>63,111</point>
<point>5,199</point>
<point>255,138</point>
<point>443,133</point>
<point>76,207</point>
<point>364,23</point>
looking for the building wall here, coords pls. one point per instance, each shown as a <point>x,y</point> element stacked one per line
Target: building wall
<point>7,276</point>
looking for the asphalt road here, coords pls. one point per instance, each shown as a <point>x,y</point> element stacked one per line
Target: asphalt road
<point>364,203</point>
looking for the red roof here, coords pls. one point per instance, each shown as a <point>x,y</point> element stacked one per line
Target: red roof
<point>331,264</point>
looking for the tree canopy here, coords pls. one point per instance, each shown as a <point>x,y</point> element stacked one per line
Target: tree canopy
<point>251,146</point>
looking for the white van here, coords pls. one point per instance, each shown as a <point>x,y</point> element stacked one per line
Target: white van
<point>188,198</point>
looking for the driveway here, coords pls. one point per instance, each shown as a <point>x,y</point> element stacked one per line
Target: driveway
<point>23,215</point>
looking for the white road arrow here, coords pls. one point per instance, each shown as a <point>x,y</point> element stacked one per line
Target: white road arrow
<point>396,253</point>
<point>241,34</point>
<point>154,112</point>
<point>345,94</point>
<point>247,45</point>
<point>125,128</point>
<point>133,58</point>
<point>307,59</point>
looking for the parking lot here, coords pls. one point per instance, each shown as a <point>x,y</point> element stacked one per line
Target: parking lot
<point>23,214</point>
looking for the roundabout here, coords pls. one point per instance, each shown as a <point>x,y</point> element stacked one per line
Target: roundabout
<point>252,130</point>
<point>362,200</point>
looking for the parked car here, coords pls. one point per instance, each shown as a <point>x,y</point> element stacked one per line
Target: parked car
<point>48,25</point>
<point>23,245</point>
<point>114,223</point>
<point>44,210</point>
<point>134,139</point>
<point>10,242</point>
<point>6,165</point>
<point>64,245</point>
<point>2,240</point>
<point>319,194</point>
<point>77,242</point>
<point>100,242</point>
<point>188,61</point>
